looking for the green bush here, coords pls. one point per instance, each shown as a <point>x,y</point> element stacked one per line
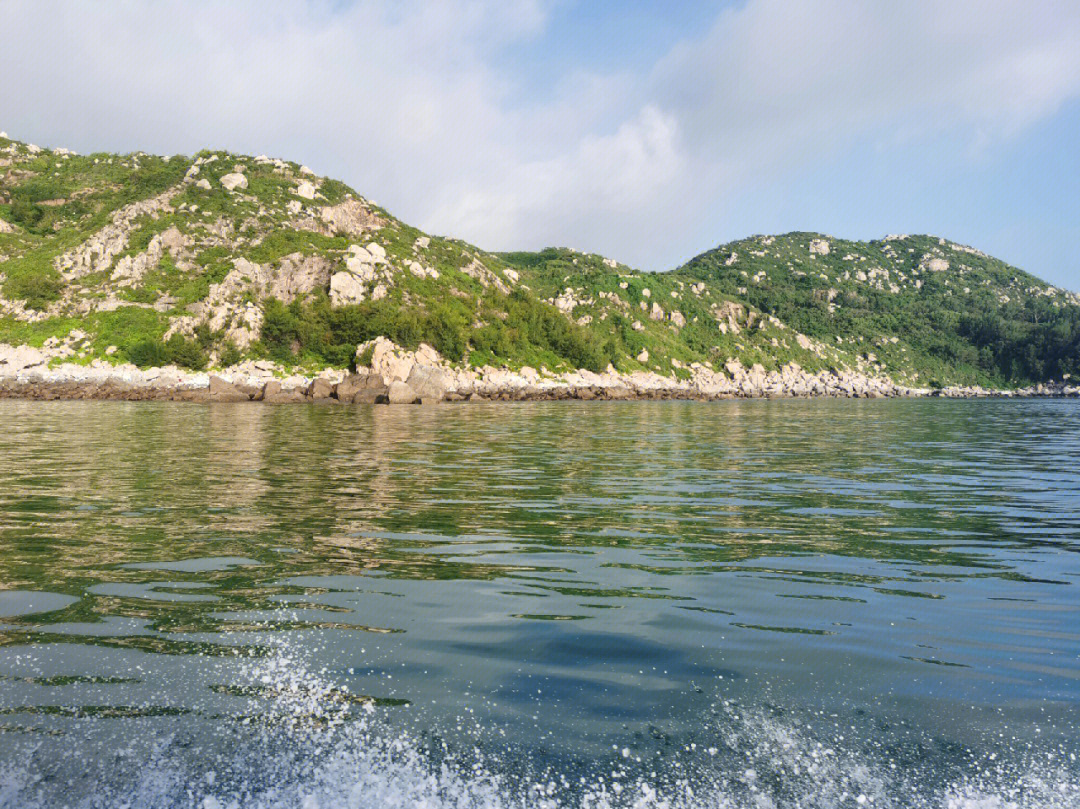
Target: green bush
<point>364,360</point>
<point>140,294</point>
<point>496,339</point>
<point>544,326</point>
<point>26,213</point>
<point>229,354</point>
<point>314,330</point>
<point>148,354</point>
<point>186,353</point>
<point>38,289</point>
<point>448,332</point>
<point>177,350</point>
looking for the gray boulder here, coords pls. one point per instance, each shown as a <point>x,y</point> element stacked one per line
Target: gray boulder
<point>223,391</point>
<point>320,389</point>
<point>362,388</point>
<point>402,393</point>
<point>429,382</point>
<point>273,392</point>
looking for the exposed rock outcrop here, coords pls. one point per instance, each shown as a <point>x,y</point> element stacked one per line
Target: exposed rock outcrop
<point>96,254</point>
<point>408,377</point>
<point>320,388</point>
<point>352,218</point>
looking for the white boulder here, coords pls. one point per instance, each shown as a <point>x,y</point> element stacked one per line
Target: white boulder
<point>234,180</point>
<point>346,288</point>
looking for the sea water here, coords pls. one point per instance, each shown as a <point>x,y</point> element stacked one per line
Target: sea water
<point>734,604</point>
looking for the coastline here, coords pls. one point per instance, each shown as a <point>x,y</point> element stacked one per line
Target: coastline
<point>399,376</point>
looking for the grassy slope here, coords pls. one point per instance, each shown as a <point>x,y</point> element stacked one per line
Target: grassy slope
<point>611,300</point>
<point>977,321</point>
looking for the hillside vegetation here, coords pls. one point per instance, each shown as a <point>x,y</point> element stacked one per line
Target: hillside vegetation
<point>218,258</point>
<point>914,305</point>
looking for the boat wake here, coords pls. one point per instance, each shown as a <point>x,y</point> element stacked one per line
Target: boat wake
<point>308,743</point>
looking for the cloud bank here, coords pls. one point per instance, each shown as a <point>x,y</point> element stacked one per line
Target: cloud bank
<point>415,106</point>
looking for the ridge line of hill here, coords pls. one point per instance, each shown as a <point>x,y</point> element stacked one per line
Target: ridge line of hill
<point>220,260</point>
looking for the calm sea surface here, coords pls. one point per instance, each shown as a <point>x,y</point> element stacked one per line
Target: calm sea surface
<point>737,604</point>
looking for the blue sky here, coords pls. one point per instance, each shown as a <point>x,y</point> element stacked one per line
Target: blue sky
<point>642,130</point>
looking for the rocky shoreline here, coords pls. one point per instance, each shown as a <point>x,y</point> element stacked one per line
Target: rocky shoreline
<point>398,376</point>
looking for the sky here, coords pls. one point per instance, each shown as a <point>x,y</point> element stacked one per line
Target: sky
<point>645,131</point>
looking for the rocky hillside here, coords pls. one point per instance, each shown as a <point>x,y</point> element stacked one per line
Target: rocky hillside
<point>220,259</point>
<point>918,307</point>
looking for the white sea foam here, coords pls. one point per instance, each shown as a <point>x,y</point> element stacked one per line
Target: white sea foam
<point>307,746</point>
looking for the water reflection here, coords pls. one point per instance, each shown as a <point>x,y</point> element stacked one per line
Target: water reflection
<point>555,570</point>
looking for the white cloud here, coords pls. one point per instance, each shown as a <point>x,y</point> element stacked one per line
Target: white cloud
<point>779,74</point>
<point>606,177</point>
<point>406,102</point>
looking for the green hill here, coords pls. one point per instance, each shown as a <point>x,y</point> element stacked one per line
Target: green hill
<point>218,258</point>
<point>916,304</point>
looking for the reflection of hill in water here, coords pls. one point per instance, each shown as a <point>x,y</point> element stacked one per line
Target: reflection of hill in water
<point>550,499</point>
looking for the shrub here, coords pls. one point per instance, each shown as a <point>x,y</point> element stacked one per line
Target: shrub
<point>313,329</point>
<point>26,213</point>
<point>186,353</point>
<point>280,330</point>
<point>364,360</point>
<point>229,354</point>
<point>544,326</point>
<point>495,338</point>
<point>141,294</point>
<point>447,330</point>
<point>150,353</point>
<point>147,354</point>
<point>37,289</point>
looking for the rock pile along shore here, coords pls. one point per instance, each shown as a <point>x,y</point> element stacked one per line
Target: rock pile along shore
<point>399,376</point>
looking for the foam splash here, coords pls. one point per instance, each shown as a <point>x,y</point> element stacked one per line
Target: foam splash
<point>308,744</point>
